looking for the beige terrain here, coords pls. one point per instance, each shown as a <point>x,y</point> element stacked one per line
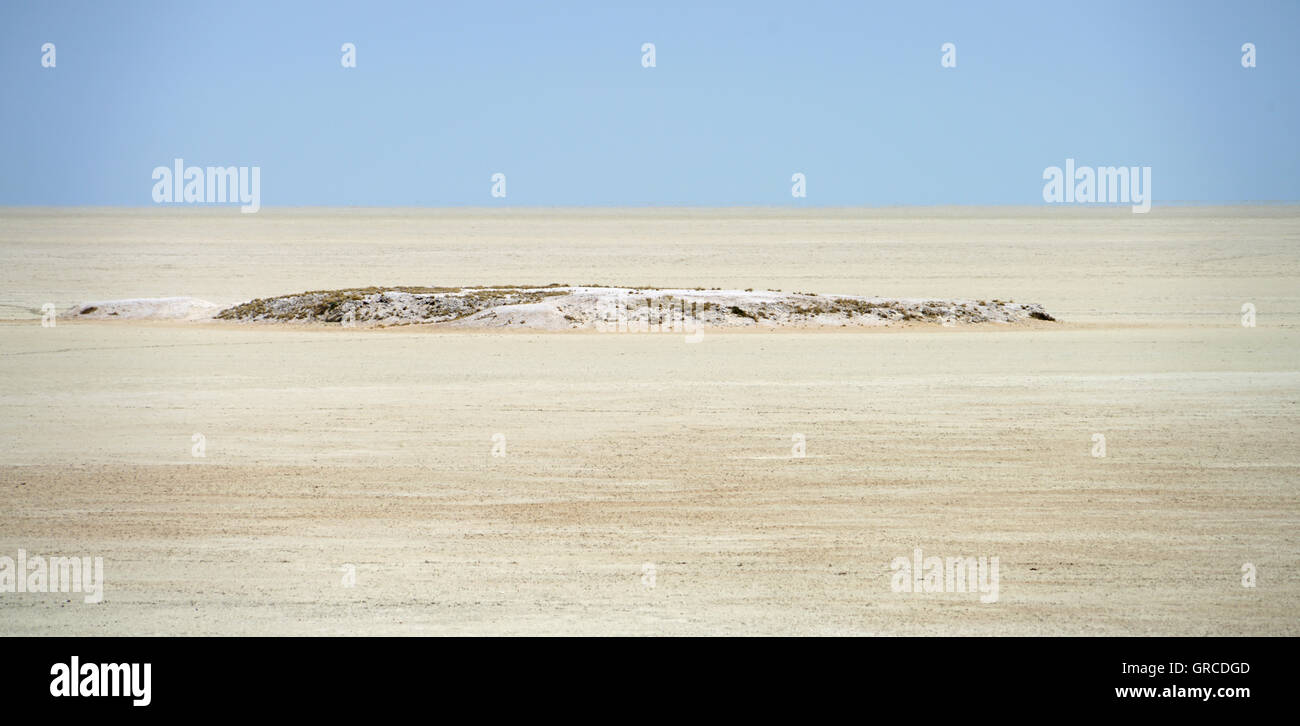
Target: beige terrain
<point>332,450</point>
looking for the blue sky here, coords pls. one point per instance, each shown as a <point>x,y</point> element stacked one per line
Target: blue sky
<point>553,95</point>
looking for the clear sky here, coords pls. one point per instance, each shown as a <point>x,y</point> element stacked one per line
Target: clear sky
<point>554,95</point>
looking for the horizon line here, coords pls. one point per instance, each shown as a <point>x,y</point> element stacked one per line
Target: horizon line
<point>650,206</point>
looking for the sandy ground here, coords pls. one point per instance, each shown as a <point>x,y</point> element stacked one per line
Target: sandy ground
<point>327,447</point>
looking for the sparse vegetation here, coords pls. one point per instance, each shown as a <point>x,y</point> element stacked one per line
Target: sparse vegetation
<point>735,310</point>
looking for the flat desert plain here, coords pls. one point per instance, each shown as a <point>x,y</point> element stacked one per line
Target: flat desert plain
<point>642,484</point>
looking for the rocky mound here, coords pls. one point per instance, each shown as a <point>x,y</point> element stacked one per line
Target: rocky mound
<point>562,307</point>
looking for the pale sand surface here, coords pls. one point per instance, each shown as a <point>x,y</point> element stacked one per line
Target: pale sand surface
<point>329,446</point>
